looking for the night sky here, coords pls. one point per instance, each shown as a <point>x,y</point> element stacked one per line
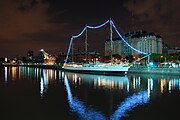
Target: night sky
<point>49,24</point>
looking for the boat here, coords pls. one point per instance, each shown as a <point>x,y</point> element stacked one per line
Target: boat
<point>98,68</point>
<point>110,68</point>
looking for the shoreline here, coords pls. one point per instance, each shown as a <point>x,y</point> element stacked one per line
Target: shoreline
<point>40,66</point>
<point>132,70</point>
<point>155,70</point>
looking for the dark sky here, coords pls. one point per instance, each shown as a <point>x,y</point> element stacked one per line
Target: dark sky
<point>49,24</point>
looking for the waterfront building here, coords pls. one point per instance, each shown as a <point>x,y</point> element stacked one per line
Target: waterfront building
<point>48,59</point>
<point>144,41</point>
<point>83,57</point>
<point>117,46</point>
<point>174,50</point>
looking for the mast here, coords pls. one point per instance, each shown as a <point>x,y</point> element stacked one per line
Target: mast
<point>72,52</point>
<point>111,41</point>
<point>86,44</point>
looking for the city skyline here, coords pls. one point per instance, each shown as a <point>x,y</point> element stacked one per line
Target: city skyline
<point>49,24</point>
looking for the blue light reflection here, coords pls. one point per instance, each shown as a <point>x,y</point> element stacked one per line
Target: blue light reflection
<point>88,113</point>
<point>80,108</point>
<point>129,103</point>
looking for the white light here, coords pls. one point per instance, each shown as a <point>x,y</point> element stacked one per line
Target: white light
<point>6,59</point>
<point>96,27</point>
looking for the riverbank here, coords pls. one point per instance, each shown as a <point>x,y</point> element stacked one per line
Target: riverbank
<point>132,70</point>
<point>155,70</point>
<point>39,66</point>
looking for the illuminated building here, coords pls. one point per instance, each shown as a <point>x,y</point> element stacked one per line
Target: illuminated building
<point>48,59</point>
<point>140,40</point>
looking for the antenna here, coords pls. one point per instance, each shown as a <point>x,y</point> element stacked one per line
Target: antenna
<point>72,52</point>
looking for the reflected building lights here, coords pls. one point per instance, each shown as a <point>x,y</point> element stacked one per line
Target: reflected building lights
<point>6,74</point>
<point>170,87</point>
<point>36,73</point>
<point>46,74</point>
<point>150,86</point>
<point>95,83</point>
<point>143,89</point>
<point>120,85</point>
<point>43,76</point>
<point>55,75</point>
<point>13,73</point>
<point>43,83</point>
<point>51,73</point>
<point>134,81</point>
<point>128,86</point>
<point>110,82</point>
<point>79,81</point>
<point>102,83</point>
<point>75,78</point>
<point>139,81</point>
<point>173,84</point>
<point>62,74</point>
<point>85,112</point>
<point>98,82</point>
<point>28,71</point>
<point>19,70</point>
<point>162,85</point>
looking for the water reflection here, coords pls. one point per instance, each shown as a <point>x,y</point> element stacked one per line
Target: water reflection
<point>129,103</point>
<point>174,84</point>
<point>88,113</point>
<point>139,89</point>
<point>43,82</point>
<point>44,76</point>
<point>78,106</point>
<point>6,74</point>
<point>128,83</point>
<point>100,81</point>
<point>85,93</point>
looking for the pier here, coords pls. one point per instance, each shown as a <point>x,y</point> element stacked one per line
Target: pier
<point>155,70</point>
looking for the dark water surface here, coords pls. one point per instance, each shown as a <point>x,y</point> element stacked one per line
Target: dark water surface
<point>45,94</point>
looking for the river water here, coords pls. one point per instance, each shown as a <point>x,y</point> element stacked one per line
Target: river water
<point>46,94</point>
